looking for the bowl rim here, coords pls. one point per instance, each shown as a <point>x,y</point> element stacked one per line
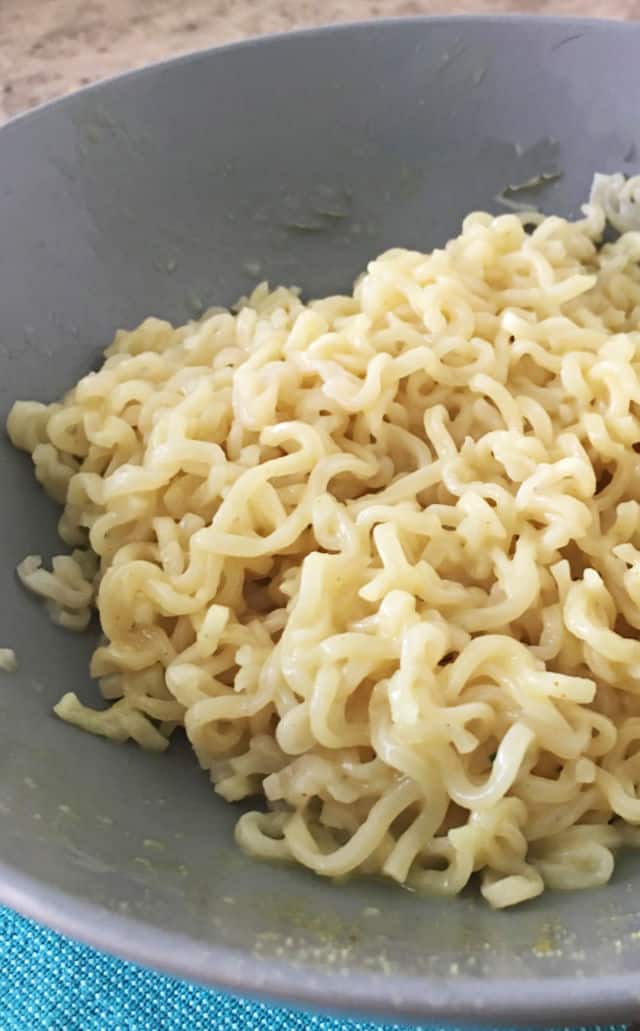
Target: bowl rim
<point>502,1001</point>
<point>497,19</point>
<point>607,998</point>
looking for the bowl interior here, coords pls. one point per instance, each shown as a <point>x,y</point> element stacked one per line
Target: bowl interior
<point>297,159</point>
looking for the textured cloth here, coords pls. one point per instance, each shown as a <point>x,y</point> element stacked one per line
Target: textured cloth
<point>49,983</point>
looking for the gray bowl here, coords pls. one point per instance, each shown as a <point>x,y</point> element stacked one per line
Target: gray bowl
<point>160,192</point>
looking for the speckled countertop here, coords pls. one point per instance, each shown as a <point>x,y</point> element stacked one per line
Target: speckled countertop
<point>49,47</point>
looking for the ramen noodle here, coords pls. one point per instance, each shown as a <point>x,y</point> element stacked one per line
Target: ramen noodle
<point>8,660</point>
<point>378,555</point>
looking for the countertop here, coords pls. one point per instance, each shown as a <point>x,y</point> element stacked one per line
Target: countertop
<point>50,47</point>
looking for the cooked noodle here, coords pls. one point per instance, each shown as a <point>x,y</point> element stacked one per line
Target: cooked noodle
<point>379,555</point>
<point>8,660</point>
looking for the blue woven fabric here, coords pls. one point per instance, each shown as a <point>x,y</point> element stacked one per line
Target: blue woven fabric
<point>49,983</point>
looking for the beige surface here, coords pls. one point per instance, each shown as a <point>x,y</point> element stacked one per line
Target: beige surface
<point>48,47</point>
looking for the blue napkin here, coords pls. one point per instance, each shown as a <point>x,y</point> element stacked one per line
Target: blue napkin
<point>50,983</point>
